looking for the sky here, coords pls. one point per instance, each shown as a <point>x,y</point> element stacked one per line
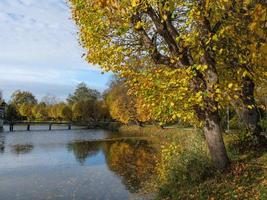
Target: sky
<point>39,50</point>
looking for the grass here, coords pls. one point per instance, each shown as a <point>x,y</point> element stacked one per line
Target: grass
<point>188,173</point>
<point>245,179</point>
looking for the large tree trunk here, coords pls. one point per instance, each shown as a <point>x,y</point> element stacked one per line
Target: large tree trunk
<point>210,116</point>
<point>247,110</point>
<point>214,139</point>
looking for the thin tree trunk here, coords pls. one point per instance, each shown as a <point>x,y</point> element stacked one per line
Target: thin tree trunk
<point>214,139</point>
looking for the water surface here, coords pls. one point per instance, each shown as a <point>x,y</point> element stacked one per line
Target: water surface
<point>76,164</point>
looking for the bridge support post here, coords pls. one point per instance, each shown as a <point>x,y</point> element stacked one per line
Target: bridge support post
<point>69,127</point>
<point>11,127</point>
<point>50,127</point>
<point>28,127</point>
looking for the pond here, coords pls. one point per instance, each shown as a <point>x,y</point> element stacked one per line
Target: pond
<point>74,164</point>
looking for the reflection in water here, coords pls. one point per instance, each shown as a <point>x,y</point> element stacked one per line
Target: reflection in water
<point>132,160</point>
<point>84,149</point>
<point>21,148</point>
<point>75,164</point>
<point>2,142</point>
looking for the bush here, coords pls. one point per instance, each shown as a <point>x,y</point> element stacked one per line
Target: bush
<point>183,164</point>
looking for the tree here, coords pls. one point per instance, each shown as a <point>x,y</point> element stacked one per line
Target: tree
<point>82,92</point>
<point>55,111</point>
<point>25,110</point>
<point>40,112</point>
<point>11,113</point>
<point>23,97</point>
<point>83,110</point>
<point>240,44</point>
<point>168,38</point>
<point>84,103</point>
<point>66,113</point>
<point>100,111</point>
<point>123,106</point>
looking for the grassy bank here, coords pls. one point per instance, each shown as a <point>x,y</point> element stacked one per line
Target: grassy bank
<point>185,170</point>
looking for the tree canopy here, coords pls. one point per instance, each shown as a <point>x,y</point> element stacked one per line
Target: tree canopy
<point>82,92</point>
<point>23,97</point>
<point>185,59</point>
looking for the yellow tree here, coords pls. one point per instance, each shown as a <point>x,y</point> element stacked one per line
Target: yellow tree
<point>172,52</point>
<point>120,104</point>
<point>125,106</point>
<point>119,34</point>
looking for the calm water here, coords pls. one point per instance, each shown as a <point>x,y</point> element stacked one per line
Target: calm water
<point>76,164</point>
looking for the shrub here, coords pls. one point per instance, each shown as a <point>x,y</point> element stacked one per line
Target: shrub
<point>184,163</point>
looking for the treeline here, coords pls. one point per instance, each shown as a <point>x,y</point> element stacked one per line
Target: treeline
<point>116,103</point>
<point>84,104</point>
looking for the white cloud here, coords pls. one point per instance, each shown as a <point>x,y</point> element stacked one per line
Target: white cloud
<point>39,44</point>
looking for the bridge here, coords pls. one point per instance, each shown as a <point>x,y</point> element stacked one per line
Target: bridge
<point>69,125</point>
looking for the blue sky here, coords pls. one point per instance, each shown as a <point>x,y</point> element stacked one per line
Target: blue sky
<point>39,50</point>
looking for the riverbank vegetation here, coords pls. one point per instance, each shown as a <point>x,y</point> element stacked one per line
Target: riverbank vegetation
<point>184,168</point>
<point>186,172</point>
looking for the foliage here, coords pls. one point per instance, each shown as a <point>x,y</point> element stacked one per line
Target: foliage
<point>25,110</point>
<point>66,113</point>
<point>123,106</point>
<point>186,60</point>
<point>11,113</point>
<point>23,97</point>
<point>40,111</point>
<point>147,43</point>
<point>184,169</point>
<point>82,110</point>
<point>83,93</point>
<point>184,163</point>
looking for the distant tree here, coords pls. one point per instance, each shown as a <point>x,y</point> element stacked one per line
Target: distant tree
<point>83,110</point>
<point>66,113</point>
<point>11,113</point>
<point>82,92</point>
<point>40,112</point>
<point>55,111</point>
<point>100,111</point>
<point>123,106</point>
<point>23,97</point>
<point>84,103</point>
<point>25,110</point>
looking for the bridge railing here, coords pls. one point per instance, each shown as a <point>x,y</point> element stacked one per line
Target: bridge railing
<point>69,125</point>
